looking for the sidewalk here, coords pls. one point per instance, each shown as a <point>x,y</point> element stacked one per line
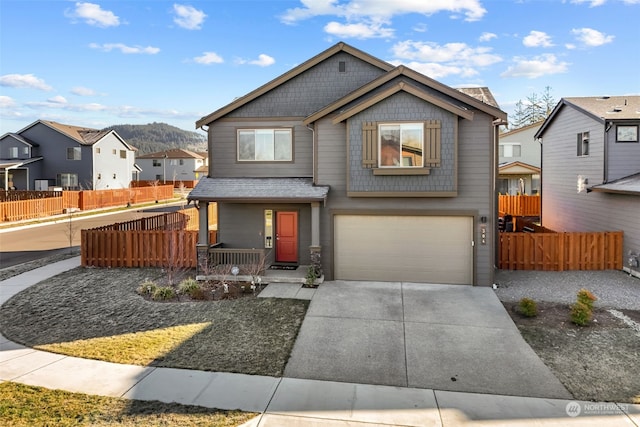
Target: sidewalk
<point>290,401</point>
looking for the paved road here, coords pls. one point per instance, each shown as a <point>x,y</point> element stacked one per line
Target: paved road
<point>33,242</point>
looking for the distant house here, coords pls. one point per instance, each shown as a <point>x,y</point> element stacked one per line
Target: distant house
<point>50,154</point>
<point>591,168</point>
<point>519,161</point>
<point>172,166</point>
<point>379,171</point>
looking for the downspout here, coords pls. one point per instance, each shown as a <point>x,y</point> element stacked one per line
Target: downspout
<point>605,169</point>
<point>494,201</point>
<point>314,147</point>
<point>541,172</point>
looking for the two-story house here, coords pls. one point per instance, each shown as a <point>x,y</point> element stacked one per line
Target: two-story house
<point>46,154</point>
<point>383,172</point>
<point>172,166</point>
<point>591,168</point>
<point>519,161</point>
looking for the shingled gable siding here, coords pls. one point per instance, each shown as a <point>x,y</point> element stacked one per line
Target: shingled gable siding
<point>403,107</point>
<point>313,89</point>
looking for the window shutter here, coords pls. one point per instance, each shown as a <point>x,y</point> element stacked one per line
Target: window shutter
<point>432,141</point>
<point>369,145</point>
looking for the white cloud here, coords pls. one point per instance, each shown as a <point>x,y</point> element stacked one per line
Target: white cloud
<point>358,30</point>
<point>485,37</point>
<point>454,53</point>
<point>591,37</point>
<point>420,28</point>
<point>537,67</point>
<point>123,48</point>
<point>24,81</point>
<point>209,58</point>
<point>6,102</point>
<point>58,99</point>
<point>263,60</point>
<point>188,17</point>
<point>382,11</point>
<point>438,71</point>
<point>537,39</point>
<point>592,3</point>
<point>56,103</point>
<point>83,91</point>
<point>93,14</point>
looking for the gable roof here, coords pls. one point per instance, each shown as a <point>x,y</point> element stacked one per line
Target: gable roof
<point>404,87</point>
<point>517,167</point>
<point>82,135</point>
<point>599,108</point>
<point>19,138</point>
<point>481,93</point>
<point>340,47</point>
<point>522,129</point>
<point>414,75</point>
<point>177,153</point>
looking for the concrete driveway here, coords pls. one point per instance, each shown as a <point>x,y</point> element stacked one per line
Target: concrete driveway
<point>441,337</point>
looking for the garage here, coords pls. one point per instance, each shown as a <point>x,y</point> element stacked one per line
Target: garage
<point>431,249</point>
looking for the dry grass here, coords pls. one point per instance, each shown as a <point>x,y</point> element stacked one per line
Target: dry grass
<point>22,406</point>
<point>101,307</point>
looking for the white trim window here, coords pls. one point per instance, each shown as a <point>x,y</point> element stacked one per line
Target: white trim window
<point>583,144</point>
<point>510,150</point>
<point>13,152</point>
<point>401,145</point>
<point>265,145</point>
<point>67,180</point>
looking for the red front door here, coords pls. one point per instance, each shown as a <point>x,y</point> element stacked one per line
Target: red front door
<point>286,236</point>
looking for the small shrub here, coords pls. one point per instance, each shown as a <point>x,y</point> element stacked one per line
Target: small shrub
<point>188,286</point>
<point>147,288</point>
<point>311,276</point>
<point>528,307</point>
<point>163,293</point>
<point>580,313</point>
<point>587,298</point>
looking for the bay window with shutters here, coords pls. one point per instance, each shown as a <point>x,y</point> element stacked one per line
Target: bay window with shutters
<point>403,148</point>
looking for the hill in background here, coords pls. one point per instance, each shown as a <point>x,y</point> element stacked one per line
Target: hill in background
<point>154,137</point>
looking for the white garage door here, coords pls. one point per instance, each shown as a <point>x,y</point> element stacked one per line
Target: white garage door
<point>432,249</point>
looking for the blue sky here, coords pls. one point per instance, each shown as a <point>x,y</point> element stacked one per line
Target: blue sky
<point>101,63</point>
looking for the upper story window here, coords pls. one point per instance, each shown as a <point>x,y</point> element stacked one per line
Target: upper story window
<point>627,133</point>
<point>583,143</point>
<point>97,150</point>
<point>510,150</point>
<point>157,163</point>
<point>401,145</point>
<point>74,153</point>
<point>123,154</point>
<point>25,151</point>
<point>265,145</point>
<point>13,152</point>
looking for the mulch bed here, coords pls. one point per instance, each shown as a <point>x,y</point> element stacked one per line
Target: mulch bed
<point>247,335</point>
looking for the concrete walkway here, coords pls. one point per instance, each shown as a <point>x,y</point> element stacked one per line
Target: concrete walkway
<point>311,402</point>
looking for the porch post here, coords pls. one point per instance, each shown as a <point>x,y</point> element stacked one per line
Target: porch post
<point>315,250</point>
<point>202,247</point>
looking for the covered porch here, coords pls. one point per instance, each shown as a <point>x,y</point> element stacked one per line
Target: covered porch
<point>251,237</point>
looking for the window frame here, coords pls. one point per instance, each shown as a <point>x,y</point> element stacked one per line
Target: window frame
<point>123,154</point>
<point>411,126</point>
<point>629,134</point>
<point>273,141</point>
<point>582,142</point>
<point>502,146</point>
<point>77,153</point>
<point>156,163</point>
<point>13,152</point>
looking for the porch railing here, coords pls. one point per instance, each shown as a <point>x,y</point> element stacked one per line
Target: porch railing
<point>247,260</point>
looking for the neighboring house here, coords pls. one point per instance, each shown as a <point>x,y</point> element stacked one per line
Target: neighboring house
<point>519,161</point>
<point>50,154</point>
<point>591,168</point>
<point>383,172</point>
<point>172,165</point>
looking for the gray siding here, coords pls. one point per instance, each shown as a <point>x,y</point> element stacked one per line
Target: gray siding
<point>313,89</point>
<point>53,147</point>
<point>223,151</point>
<point>563,208</point>
<point>475,189</point>
<point>241,225</point>
<point>624,157</point>
<point>530,148</point>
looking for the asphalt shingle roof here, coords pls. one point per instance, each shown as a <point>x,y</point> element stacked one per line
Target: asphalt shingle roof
<point>253,190</point>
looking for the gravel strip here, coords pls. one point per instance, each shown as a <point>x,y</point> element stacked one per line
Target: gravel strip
<point>614,289</point>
